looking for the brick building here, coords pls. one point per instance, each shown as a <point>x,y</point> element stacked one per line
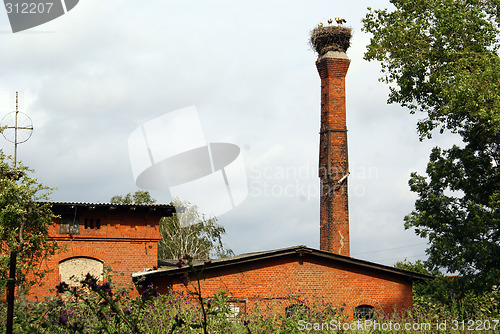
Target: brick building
<point>279,277</point>
<point>303,273</point>
<point>94,236</point>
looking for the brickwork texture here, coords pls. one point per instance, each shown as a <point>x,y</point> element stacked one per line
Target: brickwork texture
<point>126,242</point>
<point>297,279</point>
<point>333,158</point>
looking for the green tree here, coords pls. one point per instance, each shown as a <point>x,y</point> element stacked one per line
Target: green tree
<point>439,289</point>
<point>186,232</point>
<point>190,232</point>
<point>139,197</point>
<point>440,58</point>
<point>462,304</point>
<point>24,223</point>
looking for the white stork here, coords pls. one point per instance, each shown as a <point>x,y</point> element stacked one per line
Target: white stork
<point>340,20</point>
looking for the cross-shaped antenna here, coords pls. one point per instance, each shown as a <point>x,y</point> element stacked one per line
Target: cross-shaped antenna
<point>18,128</point>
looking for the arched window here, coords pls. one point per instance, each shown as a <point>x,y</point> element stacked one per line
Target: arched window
<point>364,312</point>
<point>74,270</point>
<point>296,310</point>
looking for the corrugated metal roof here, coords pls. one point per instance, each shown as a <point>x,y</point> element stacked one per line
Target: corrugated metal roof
<point>110,204</point>
<point>165,210</point>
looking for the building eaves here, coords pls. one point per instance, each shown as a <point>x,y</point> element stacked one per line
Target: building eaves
<point>165,209</point>
<point>168,267</point>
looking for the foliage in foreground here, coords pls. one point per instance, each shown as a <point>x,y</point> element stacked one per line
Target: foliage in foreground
<point>96,307</point>
<point>25,220</point>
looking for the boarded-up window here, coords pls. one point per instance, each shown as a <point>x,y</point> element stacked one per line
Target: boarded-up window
<point>74,270</point>
<point>364,312</point>
<point>69,225</point>
<point>237,308</point>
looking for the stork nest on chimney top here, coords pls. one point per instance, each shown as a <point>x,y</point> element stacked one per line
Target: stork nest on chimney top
<point>330,38</point>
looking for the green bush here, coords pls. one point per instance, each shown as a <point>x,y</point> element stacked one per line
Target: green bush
<point>95,307</point>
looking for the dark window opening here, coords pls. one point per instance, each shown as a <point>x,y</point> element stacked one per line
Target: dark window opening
<point>234,309</point>
<point>296,311</point>
<point>92,223</point>
<point>364,312</point>
<point>69,225</point>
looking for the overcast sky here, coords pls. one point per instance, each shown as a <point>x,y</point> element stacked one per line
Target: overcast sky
<point>91,77</point>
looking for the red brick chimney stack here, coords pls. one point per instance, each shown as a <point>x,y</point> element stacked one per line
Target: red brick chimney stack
<point>332,65</point>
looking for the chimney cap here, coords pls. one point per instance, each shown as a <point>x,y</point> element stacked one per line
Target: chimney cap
<point>332,54</point>
<point>330,38</point>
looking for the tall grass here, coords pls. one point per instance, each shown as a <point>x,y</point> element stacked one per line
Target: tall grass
<point>97,307</point>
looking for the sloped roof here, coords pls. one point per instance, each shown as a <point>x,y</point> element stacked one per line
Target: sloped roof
<point>169,268</point>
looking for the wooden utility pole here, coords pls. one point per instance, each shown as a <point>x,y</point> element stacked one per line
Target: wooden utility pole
<point>11,289</point>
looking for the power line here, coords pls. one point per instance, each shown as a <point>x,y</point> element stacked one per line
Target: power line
<point>401,257</point>
<point>388,249</point>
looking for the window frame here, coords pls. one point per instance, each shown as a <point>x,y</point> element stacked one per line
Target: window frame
<point>69,224</point>
<point>364,312</point>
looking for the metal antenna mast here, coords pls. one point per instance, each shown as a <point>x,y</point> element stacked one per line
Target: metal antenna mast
<point>15,130</point>
<point>19,128</point>
<point>14,122</point>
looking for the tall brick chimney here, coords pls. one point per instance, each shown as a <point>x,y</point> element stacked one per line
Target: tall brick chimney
<point>331,42</point>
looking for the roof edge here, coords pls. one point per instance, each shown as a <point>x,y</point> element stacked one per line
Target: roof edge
<point>166,210</point>
<point>103,204</point>
<point>300,250</point>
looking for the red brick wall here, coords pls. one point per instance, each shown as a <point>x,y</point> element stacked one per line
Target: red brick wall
<point>333,159</point>
<point>309,279</point>
<point>126,242</point>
